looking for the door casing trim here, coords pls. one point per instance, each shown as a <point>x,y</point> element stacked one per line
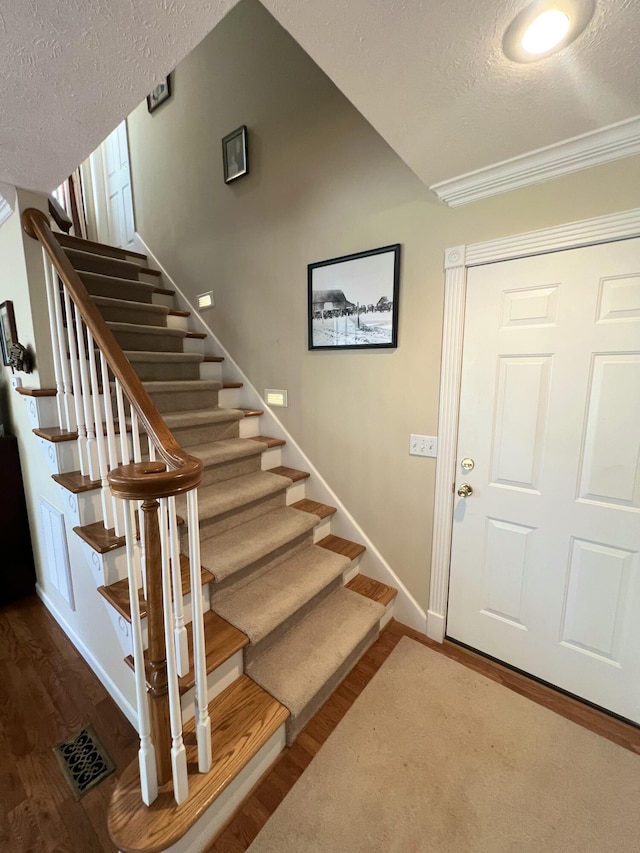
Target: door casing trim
<point>457,260</point>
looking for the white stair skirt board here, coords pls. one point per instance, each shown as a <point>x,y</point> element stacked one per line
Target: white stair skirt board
<point>580,152</point>
<point>587,232</point>
<point>406,608</point>
<point>55,552</point>
<point>103,676</point>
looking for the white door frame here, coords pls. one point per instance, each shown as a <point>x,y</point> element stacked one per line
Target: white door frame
<point>457,260</point>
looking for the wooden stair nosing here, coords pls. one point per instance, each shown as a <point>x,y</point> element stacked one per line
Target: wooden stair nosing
<point>232,384</point>
<point>55,434</point>
<point>292,473</point>
<point>268,441</point>
<point>103,539</point>
<point>214,358</point>
<point>373,589</point>
<point>164,291</point>
<point>178,312</point>
<point>222,641</point>
<point>251,413</point>
<point>75,482</point>
<point>36,392</point>
<point>314,507</point>
<point>200,335</point>
<point>243,717</point>
<point>117,594</point>
<point>342,546</point>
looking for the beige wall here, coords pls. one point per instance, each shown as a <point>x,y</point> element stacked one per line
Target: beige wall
<point>322,184</point>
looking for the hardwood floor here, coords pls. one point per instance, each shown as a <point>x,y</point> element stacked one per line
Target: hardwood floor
<point>275,785</point>
<point>47,692</point>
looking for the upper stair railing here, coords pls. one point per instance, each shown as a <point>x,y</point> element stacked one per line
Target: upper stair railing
<point>125,445</point>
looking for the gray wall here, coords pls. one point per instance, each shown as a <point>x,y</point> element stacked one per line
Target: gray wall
<point>322,184</point>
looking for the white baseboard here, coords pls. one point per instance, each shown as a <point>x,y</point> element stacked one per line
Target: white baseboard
<point>103,676</point>
<point>435,626</point>
<point>406,609</point>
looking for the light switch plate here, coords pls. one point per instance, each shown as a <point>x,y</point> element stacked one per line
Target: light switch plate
<point>423,445</point>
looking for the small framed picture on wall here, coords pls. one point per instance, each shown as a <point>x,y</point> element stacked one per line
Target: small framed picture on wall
<point>159,94</point>
<point>8,333</point>
<point>235,157</point>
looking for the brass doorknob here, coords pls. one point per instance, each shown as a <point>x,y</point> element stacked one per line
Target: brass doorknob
<point>465,490</point>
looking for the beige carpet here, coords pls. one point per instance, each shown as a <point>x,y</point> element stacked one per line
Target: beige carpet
<point>433,757</point>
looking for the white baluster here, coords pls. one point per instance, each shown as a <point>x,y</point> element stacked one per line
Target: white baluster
<point>125,452</point>
<point>137,457</point>
<point>113,461</point>
<point>203,722</point>
<point>181,639</point>
<point>74,365</point>
<point>92,455</point>
<point>146,753</point>
<point>107,505</point>
<point>56,342</point>
<point>152,449</point>
<point>69,419</point>
<point>178,751</point>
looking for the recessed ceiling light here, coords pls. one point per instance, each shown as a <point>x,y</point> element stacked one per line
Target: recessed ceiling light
<point>546,31</point>
<point>545,27</point>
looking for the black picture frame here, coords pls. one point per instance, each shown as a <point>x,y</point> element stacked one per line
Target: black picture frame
<point>353,300</point>
<point>235,154</point>
<point>159,94</point>
<point>8,332</point>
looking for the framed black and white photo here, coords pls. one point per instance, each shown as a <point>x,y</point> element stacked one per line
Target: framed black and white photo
<point>235,156</point>
<point>8,333</point>
<point>159,95</point>
<point>353,300</point>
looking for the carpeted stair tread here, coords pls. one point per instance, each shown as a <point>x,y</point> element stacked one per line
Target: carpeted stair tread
<point>296,668</point>
<point>258,607</point>
<point>225,450</point>
<point>71,242</point>
<point>163,357</point>
<point>201,417</point>
<point>141,328</point>
<point>117,594</point>
<point>99,284</point>
<point>221,641</point>
<point>90,262</point>
<point>243,718</point>
<point>228,495</point>
<point>177,385</point>
<point>131,305</point>
<point>244,545</point>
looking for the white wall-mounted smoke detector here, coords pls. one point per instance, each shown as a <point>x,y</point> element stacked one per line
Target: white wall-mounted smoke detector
<point>544,27</point>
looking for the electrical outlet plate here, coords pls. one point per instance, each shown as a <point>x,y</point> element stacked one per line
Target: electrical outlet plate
<point>423,445</point>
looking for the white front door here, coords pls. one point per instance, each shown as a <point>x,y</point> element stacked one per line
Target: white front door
<point>545,564</point>
<point>117,186</point>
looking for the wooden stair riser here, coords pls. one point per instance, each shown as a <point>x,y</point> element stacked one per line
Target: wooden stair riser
<point>149,342</point>
<point>210,527</point>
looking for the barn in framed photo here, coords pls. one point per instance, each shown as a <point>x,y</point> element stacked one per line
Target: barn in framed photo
<point>353,300</point>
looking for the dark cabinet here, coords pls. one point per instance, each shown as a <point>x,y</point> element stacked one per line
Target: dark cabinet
<point>17,571</point>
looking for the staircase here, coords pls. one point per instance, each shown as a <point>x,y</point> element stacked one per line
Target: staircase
<point>287,615</point>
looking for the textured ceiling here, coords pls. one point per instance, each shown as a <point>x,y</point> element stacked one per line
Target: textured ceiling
<point>71,70</point>
<point>429,75</point>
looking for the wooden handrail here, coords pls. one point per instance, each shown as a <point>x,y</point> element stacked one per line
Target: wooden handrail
<point>142,480</point>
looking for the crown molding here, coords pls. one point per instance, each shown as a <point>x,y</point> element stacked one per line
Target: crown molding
<point>590,149</point>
